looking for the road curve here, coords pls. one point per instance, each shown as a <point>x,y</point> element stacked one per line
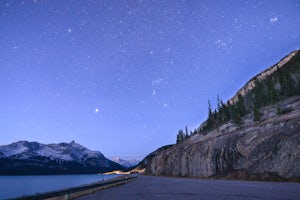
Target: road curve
<point>150,187</point>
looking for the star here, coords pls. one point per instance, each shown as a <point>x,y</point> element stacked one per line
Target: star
<point>220,43</point>
<point>154,92</point>
<point>273,20</point>
<point>96,110</point>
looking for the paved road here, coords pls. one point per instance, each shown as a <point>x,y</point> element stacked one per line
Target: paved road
<point>147,187</point>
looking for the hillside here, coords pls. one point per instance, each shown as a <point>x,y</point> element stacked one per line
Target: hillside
<point>256,135</point>
<point>289,62</point>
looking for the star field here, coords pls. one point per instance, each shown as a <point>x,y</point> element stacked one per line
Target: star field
<point>123,77</point>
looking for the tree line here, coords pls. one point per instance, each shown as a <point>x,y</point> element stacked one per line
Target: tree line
<point>280,85</point>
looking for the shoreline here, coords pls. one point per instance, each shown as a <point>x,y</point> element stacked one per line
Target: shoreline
<point>75,192</point>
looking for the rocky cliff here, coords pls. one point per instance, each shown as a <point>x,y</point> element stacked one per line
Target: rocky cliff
<point>263,149</point>
<point>268,149</point>
<point>147,160</point>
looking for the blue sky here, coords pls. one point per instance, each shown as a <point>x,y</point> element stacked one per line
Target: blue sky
<point>123,77</point>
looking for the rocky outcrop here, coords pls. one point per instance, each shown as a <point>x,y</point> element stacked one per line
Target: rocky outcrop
<point>147,160</point>
<point>267,149</point>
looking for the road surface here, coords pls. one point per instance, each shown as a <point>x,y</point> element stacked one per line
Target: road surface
<point>149,187</point>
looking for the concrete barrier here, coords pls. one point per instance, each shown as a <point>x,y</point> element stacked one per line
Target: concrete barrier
<point>72,193</point>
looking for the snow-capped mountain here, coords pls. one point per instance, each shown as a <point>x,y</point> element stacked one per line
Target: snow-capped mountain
<point>35,158</point>
<point>126,163</point>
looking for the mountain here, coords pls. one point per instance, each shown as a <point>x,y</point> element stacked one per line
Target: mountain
<point>255,136</point>
<point>25,157</point>
<point>126,163</point>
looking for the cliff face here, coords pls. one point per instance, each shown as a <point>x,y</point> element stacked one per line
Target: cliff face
<point>269,149</point>
<point>265,149</point>
<point>147,160</point>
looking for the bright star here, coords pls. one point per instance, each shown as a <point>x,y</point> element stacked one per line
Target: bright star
<point>96,110</point>
<point>273,20</point>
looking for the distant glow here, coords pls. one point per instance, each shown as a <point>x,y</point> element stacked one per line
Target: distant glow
<point>96,110</point>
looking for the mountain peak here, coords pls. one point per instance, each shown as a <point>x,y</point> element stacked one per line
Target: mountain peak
<point>127,163</point>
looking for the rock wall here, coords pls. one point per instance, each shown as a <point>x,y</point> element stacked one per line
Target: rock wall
<point>268,149</point>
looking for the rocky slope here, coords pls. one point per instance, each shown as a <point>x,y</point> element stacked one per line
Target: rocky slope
<point>35,158</point>
<point>147,160</point>
<point>268,149</point>
<point>265,149</point>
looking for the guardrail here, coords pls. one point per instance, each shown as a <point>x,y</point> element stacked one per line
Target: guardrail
<point>72,193</point>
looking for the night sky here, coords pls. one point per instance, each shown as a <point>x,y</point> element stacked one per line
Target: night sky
<point>123,77</point>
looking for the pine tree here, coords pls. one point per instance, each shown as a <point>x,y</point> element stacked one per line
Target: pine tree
<point>180,136</point>
<point>256,114</point>
<point>210,117</point>
<point>186,132</point>
<point>272,92</point>
<point>218,103</point>
<point>220,116</point>
<point>236,117</point>
<point>298,86</point>
<point>287,84</point>
<point>226,112</point>
<point>259,96</point>
<point>241,109</point>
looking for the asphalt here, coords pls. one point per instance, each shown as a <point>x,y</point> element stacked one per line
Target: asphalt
<point>150,187</point>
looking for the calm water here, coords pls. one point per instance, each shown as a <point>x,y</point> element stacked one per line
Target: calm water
<point>16,186</point>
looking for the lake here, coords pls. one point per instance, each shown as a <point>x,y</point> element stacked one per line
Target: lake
<point>17,186</point>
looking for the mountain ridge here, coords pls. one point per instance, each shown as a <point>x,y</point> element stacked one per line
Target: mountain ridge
<point>126,163</point>
<point>262,76</point>
<point>25,157</point>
